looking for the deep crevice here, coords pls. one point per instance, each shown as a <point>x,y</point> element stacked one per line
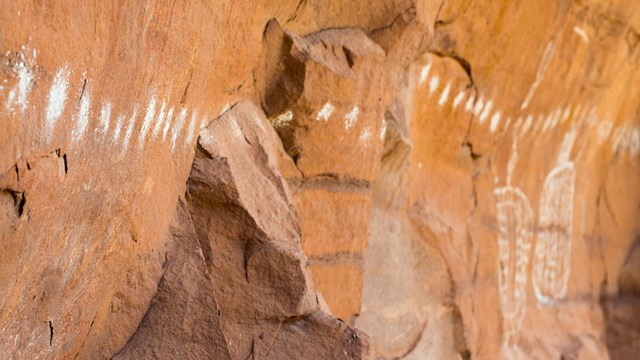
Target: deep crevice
<point>50,333</point>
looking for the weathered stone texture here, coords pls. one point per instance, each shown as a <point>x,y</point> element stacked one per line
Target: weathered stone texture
<point>254,179</point>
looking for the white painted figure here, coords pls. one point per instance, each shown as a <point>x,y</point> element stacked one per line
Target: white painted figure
<point>515,241</point>
<point>552,262</point>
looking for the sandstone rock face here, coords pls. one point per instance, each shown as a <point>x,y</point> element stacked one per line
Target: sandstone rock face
<point>412,179</point>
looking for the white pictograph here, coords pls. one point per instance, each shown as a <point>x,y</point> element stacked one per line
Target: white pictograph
<point>555,235</point>
<point>515,238</point>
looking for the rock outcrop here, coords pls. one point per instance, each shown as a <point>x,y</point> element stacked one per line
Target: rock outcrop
<point>398,179</point>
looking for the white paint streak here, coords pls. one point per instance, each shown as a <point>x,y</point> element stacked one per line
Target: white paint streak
<point>424,73</point>
<point>634,142</point>
<point>127,135</point>
<point>325,113</point>
<point>618,138</point>
<point>477,109</point>
<point>160,120</point>
<point>118,131</point>
<point>557,116</point>
<point>548,121</point>
<point>518,124</point>
<point>365,135</point>
<point>83,116</point>
<point>486,112</point>
<point>445,95</point>
<point>57,99</point>
<point>351,118</point>
<point>235,127</point>
<point>433,84</point>
<point>469,105</point>
<point>604,130</point>
<point>203,123</point>
<point>495,121</point>
<point>148,119</point>
<point>192,127</point>
<point>507,123</point>
<point>567,145</point>
<point>547,55</point>
<point>581,33</point>
<point>383,130</point>
<point>458,99</point>
<point>527,124</point>
<point>565,115</point>
<point>513,160</point>
<point>167,124</point>
<point>19,94</point>
<point>105,116</point>
<point>177,127</point>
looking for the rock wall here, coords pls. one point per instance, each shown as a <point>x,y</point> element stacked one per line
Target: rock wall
<point>409,179</point>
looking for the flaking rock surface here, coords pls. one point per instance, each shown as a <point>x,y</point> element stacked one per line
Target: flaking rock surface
<point>393,179</point>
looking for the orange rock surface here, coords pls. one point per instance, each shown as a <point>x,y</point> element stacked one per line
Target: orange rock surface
<point>393,179</point>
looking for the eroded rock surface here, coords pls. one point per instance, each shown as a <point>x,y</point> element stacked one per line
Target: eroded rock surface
<point>251,180</point>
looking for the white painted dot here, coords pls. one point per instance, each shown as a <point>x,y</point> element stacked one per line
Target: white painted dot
<point>445,95</point>
<point>351,118</point>
<point>57,99</point>
<point>326,112</point>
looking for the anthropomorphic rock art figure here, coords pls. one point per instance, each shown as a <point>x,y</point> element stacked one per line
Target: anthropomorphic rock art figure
<point>555,228</point>
<point>515,237</point>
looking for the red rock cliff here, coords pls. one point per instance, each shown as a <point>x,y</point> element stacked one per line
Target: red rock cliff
<point>313,179</point>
